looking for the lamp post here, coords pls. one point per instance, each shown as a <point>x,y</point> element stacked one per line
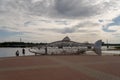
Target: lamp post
<point>107,44</point>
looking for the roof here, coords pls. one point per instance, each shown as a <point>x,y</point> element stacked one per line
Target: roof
<point>66,39</point>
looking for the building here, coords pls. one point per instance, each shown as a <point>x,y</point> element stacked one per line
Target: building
<point>66,42</point>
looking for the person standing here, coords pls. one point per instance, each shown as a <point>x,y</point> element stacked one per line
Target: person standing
<point>46,50</point>
<point>23,51</point>
<point>17,53</point>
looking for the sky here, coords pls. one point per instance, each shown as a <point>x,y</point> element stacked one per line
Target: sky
<point>52,20</point>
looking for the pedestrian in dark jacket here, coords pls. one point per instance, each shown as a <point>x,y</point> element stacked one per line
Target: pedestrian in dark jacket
<point>17,53</point>
<point>23,51</point>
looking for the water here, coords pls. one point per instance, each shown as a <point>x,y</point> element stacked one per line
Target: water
<point>10,52</point>
<point>111,52</point>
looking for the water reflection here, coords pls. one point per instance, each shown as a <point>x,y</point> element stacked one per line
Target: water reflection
<point>10,52</point>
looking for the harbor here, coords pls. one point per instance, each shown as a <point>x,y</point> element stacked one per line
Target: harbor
<point>59,39</point>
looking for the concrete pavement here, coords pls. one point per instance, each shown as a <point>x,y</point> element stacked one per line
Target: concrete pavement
<point>67,67</point>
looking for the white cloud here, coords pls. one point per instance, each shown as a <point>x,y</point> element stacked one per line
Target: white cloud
<point>59,17</point>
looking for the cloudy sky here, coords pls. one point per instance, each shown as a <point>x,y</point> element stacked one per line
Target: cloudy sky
<point>52,20</point>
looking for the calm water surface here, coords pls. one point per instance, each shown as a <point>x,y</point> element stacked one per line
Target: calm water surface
<point>10,52</point>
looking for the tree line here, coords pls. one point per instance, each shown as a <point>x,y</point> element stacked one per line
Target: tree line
<point>20,44</point>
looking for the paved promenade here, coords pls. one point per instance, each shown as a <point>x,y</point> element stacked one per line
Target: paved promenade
<point>60,68</point>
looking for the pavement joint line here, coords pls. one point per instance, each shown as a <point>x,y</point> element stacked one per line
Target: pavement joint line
<point>97,74</point>
<point>86,63</point>
<point>88,71</point>
<point>7,59</point>
<point>30,67</point>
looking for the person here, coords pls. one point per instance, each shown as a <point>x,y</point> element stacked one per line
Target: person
<point>46,50</point>
<point>23,51</point>
<point>17,53</point>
